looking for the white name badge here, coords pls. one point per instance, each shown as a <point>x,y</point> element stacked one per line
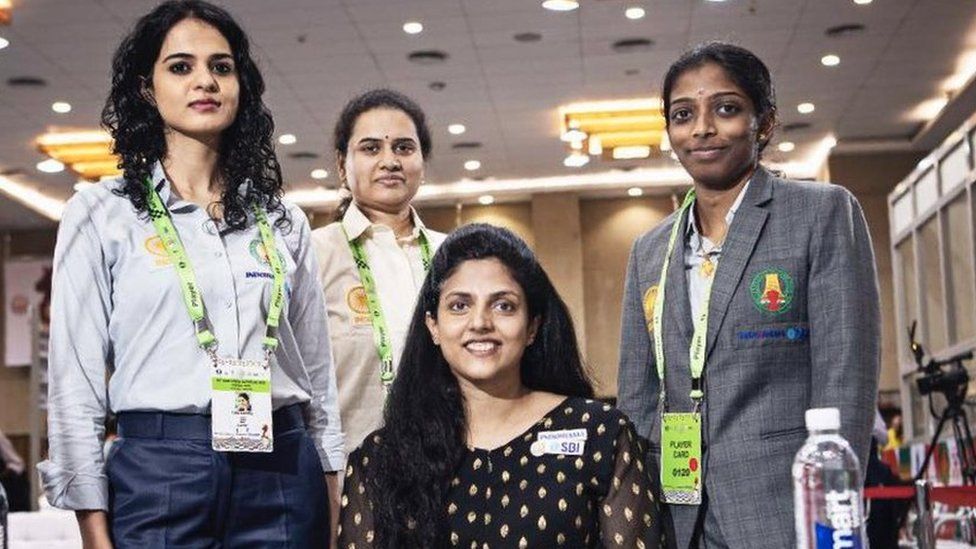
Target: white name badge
<point>564,447</point>
<point>241,405</point>
<point>568,442</point>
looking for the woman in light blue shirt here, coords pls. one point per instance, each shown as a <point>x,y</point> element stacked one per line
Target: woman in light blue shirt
<point>167,307</point>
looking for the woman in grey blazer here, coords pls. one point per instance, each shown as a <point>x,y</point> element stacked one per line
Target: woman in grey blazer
<point>755,301</point>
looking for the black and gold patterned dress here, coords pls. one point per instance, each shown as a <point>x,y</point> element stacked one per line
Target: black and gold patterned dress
<point>513,497</point>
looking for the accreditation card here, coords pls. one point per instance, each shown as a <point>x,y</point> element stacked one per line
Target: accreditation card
<point>241,405</point>
<point>681,458</point>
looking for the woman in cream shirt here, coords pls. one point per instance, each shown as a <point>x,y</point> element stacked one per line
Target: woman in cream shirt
<point>373,257</point>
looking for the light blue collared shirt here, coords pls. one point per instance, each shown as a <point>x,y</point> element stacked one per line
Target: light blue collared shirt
<point>698,249</point>
<point>122,339</point>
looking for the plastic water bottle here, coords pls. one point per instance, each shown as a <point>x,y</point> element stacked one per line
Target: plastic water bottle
<point>827,489</point>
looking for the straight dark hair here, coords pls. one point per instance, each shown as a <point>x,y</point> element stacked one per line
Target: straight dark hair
<point>381,98</point>
<point>425,429</point>
<point>743,67</point>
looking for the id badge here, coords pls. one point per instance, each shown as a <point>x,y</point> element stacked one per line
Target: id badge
<point>569,442</point>
<point>241,405</point>
<point>681,458</point>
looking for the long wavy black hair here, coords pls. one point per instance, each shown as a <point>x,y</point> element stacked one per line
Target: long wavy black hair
<point>380,98</point>
<point>425,429</point>
<point>247,162</point>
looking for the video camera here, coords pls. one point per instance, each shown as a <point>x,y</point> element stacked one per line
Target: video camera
<point>948,376</point>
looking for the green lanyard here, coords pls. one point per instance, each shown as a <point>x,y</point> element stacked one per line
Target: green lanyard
<point>696,352</point>
<point>192,297</point>
<point>381,333</point>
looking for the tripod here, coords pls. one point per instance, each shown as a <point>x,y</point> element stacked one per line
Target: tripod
<point>950,378</point>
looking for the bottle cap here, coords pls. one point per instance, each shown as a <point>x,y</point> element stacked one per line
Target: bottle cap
<point>823,419</point>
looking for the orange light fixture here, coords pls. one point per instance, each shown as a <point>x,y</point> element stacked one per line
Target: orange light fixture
<point>615,130</point>
<point>88,153</point>
<point>6,12</point>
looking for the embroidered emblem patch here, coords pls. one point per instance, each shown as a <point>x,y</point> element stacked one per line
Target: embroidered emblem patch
<point>154,245</point>
<point>356,300</point>
<point>772,291</point>
<point>650,297</point>
<point>258,252</point>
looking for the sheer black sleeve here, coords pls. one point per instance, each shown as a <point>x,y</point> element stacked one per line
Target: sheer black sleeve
<point>629,514</point>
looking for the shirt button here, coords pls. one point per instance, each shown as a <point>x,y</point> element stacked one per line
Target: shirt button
<point>229,304</point>
<point>218,254</point>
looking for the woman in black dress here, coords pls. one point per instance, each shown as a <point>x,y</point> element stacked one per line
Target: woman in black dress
<point>491,436</point>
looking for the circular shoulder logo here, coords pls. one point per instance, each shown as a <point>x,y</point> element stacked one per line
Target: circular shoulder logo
<point>772,290</point>
<point>650,298</point>
<point>356,299</point>
<point>155,246</point>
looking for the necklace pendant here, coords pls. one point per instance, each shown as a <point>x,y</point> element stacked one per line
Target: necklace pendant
<point>707,268</point>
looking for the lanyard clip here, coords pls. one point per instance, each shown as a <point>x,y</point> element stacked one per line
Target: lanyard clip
<point>696,391</point>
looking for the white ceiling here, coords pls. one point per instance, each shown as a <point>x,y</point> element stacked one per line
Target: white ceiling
<point>316,54</point>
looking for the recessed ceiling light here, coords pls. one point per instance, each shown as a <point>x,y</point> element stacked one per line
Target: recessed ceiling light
<point>319,173</point>
<point>486,200</point>
<point>576,159</point>
<point>50,166</point>
<point>635,13</point>
<point>287,139</point>
<point>830,60</point>
<point>3,42</point>
<point>413,27</point>
<point>560,5</point>
<point>573,134</point>
<point>635,191</point>
<point>786,146</point>
<point>456,129</point>
<point>805,108</point>
<point>862,2</point>
<point>61,107</point>
<point>472,165</point>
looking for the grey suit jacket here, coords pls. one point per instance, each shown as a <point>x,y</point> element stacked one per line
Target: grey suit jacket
<point>793,324</point>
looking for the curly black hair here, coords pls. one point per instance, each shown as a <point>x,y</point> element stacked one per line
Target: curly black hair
<point>247,157</point>
<point>743,67</point>
<point>425,416</point>
<point>380,98</point>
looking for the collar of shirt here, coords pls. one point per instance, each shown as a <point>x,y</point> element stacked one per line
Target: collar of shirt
<point>355,223</point>
<point>173,202</point>
<point>695,239</point>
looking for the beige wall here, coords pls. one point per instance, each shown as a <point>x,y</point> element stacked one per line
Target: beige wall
<point>871,177</point>
<point>14,382</point>
<point>514,216</point>
<point>609,230</point>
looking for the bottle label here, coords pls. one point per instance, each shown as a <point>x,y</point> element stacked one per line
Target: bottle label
<point>843,512</point>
